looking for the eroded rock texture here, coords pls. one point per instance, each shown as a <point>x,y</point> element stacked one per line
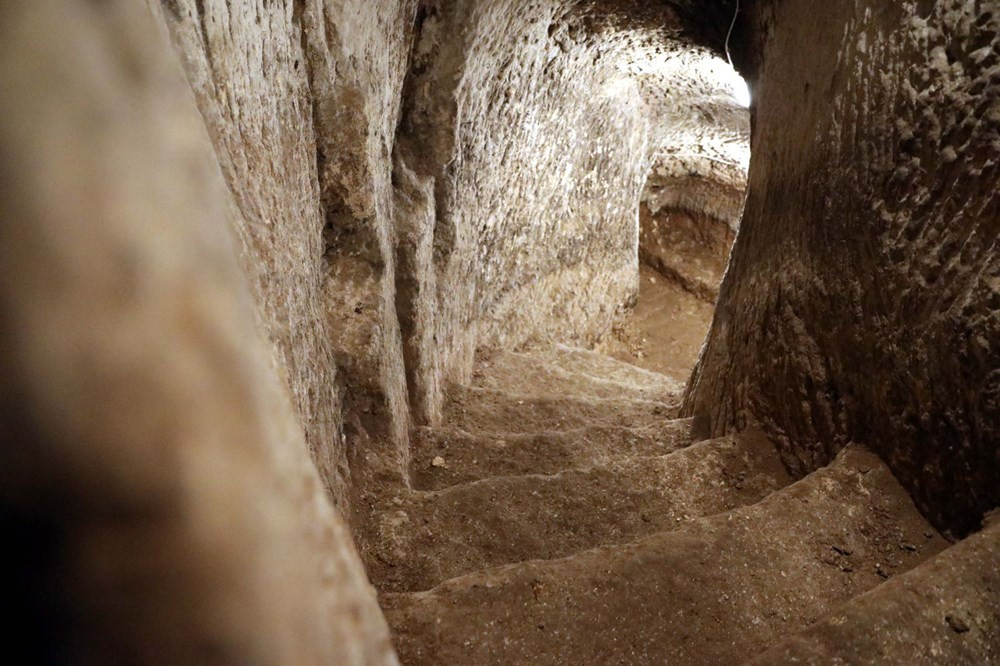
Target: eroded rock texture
<point>419,180</point>
<point>861,301</point>
<point>528,135</point>
<point>193,306</point>
<point>223,312</point>
<point>302,100</point>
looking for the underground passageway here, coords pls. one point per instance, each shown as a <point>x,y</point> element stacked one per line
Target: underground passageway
<point>501,332</point>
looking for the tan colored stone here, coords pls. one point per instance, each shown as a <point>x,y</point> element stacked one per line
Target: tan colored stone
<point>149,444</point>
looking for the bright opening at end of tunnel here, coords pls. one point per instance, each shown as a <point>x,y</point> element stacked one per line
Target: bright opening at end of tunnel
<point>734,82</point>
<point>741,91</point>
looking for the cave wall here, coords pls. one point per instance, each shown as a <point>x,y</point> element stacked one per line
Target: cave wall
<point>688,248</point>
<point>417,180</point>
<point>693,198</point>
<point>154,473</point>
<point>302,100</point>
<point>527,138</point>
<point>219,306</point>
<point>861,300</point>
<point>701,138</point>
<point>533,145</point>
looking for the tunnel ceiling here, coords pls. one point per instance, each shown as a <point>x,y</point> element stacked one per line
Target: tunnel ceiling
<point>674,52</point>
<point>704,22</point>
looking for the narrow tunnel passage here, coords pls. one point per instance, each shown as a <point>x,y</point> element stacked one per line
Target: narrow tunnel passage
<point>689,209</point>
<point>466,331</point>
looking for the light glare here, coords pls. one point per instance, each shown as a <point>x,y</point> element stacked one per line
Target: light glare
<point>741,91</point>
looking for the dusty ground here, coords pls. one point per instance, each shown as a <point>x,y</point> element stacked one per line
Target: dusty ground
<point>563,514</point>
<point>665,331</point>
<point>715,591</point>
<point>424,538</point>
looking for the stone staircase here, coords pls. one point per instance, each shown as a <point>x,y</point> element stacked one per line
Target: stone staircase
<point>565,515</point>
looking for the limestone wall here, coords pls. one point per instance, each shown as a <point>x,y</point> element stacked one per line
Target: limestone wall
<point>528,134</point>
<point>302,100</point>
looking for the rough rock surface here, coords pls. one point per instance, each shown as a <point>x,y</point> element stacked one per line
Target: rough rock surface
<point>861,299</point>
<point>423,538</point>
<point>302,102</point>
<point>530,162</point>
<point>444,457</point>
<point>217,330</point>
<point>688,248</point>
<point>944,610</point>
<point>837,567</point>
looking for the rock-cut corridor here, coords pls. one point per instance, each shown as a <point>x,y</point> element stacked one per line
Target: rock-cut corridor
<point>501,332</point>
